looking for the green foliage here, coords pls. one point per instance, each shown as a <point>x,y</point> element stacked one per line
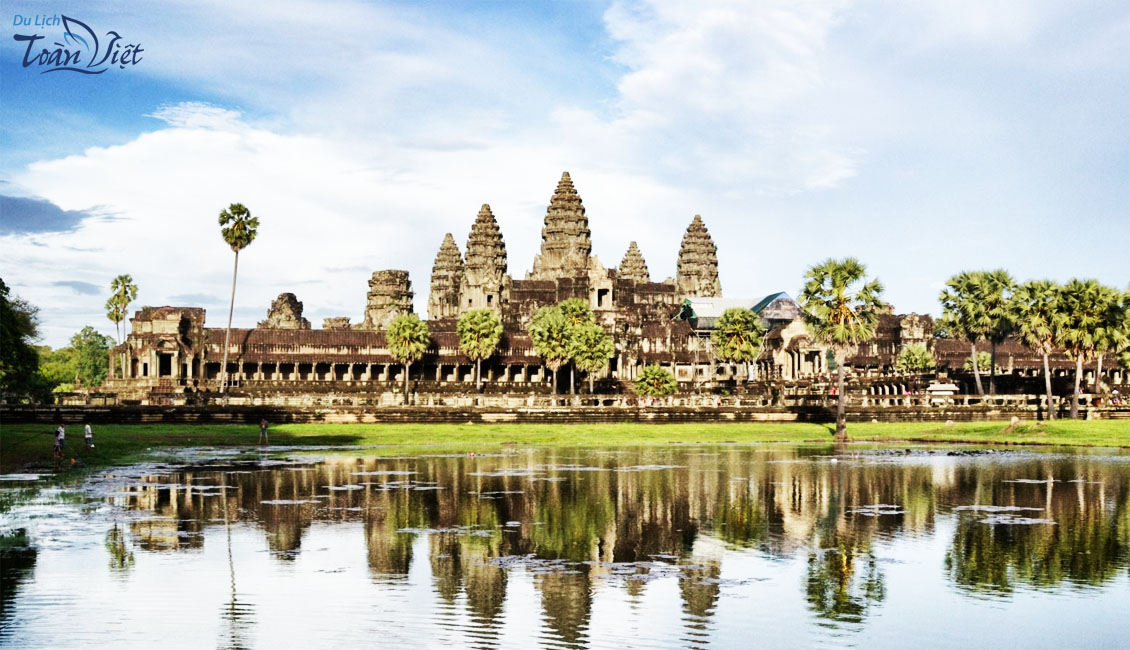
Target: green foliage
<point>55,367</point>
<point>19,326</point>
<point>1035,311</point>
<point>91,352</point>
<point>479,332</point>
<point>576,312</point>
<point>737,336</point>
<point>1087,311</point>
<point>837,315</point>
<point>655,381</point>
<point>551,336</point>
<point>408,338</point>
<point>591,347</point>
<point>984,360</point>
<point>915,357</point>
<point>238,227</point>
<point>122,292</point>
<point>976,305</point>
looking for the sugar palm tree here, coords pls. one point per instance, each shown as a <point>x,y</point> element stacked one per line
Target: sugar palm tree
<point>996,295</point>
<point>1083,307</point>
<point>479,331</point>
<point>577,316</point>
<point>239,229</point>
<point>550,334</point>
<point>841,309</point>
<point>974,308</point>
<point>591,349</point>
<point>408,339</point>
<point>1112,332</point>
<point>1035,310</point>
<point>122,292</point>
<point>737,337</point>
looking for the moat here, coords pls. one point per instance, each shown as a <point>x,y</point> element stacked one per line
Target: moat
<point>706,546</point>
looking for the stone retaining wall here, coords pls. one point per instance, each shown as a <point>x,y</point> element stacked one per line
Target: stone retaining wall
<point>459,415</point>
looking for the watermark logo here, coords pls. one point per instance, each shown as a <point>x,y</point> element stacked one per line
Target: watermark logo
<point>78,48</point>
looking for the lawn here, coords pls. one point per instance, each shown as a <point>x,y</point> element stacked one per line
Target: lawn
<point>24,444</point>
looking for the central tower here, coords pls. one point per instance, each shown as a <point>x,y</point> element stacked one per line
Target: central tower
<point>565,239</point>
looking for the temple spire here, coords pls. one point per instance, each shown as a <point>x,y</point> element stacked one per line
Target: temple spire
<point>697,273</point>
<point>566,241</point>
<point>447,273</point>
<point>484,273</point>
<point>633,267</point>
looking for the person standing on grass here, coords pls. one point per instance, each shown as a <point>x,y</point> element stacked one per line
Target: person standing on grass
<point>263,431</point>
<point>60,438</point>
<point>88,433</point>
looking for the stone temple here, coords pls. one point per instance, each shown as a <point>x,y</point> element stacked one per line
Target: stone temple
<point>171,352</point>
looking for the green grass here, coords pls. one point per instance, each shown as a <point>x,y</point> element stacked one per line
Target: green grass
<point>22,444</point>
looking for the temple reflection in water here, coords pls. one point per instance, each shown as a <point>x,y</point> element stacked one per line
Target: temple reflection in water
<point>578,521</point>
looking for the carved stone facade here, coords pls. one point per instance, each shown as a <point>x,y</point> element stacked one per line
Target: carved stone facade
<point>390,295</point>
<point>285,314</point>
<point>447,275</point>
<point>485,282</point>
<point>698,263</point>
<point>666,323</point>
<point>633,267</point>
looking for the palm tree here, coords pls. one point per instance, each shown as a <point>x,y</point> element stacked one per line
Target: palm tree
<point>840,316</point>
<point>975,307</point>
<point>408,339</point>
<point>479,331</point>
<point>577,317</point>
<point>550,334</point>
<point>737,337</point>
<point>238,228</point>
<point>655,381</point>
<point>996,296</point>
<point>122,292</point>
<point>1035,310</point>
<point>591,348</point>
<point>1083,307</point>
<point>1111,333</point>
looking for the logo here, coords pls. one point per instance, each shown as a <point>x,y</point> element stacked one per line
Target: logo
<point>77,50</point>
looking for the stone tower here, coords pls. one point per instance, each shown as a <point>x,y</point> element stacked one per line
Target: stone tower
<point>697,273</point>
<point>565,238</point>
<point>633,267</point>
<point>447,274</point>
<point>484,273</point>
<point>390,295</point>
<point>285,314</point>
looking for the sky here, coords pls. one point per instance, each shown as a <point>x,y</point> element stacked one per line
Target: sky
<point>924,138</point>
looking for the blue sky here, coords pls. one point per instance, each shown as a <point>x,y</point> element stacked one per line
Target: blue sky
<point>924,138</point>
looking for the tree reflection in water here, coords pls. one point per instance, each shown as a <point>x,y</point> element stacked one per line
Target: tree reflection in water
<point>598,518</point>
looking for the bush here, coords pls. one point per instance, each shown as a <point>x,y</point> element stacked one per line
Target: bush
<point>654,381</point>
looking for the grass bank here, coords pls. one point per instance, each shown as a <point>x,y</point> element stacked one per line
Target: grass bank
<point>22,444</point>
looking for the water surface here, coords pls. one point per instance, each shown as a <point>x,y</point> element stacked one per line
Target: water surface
<point>725,547</point>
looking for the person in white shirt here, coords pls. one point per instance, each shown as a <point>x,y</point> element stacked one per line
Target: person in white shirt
<point>89,433</point>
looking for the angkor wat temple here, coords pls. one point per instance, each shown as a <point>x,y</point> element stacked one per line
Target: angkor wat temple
<point>170,351</point>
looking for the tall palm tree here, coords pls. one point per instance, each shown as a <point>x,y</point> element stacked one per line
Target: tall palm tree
<point>975,308</point>
<point>591,349</point>
<point>550,334</point>
<point>122,292</point>
<point>578,317</point>
<point>1083,306</point>
<point>408,339</point>
<point>239,229</point>
<point>1035,310</point>
<point>479,331</point>
<point>842,309</point>
<point>996,296</point>
<point>737,337</point>
<point>1111,333</point>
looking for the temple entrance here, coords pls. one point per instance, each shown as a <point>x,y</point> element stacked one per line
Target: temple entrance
<point>164,364</point>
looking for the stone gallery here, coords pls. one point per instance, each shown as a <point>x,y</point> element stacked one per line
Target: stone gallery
<point>171,351</point>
